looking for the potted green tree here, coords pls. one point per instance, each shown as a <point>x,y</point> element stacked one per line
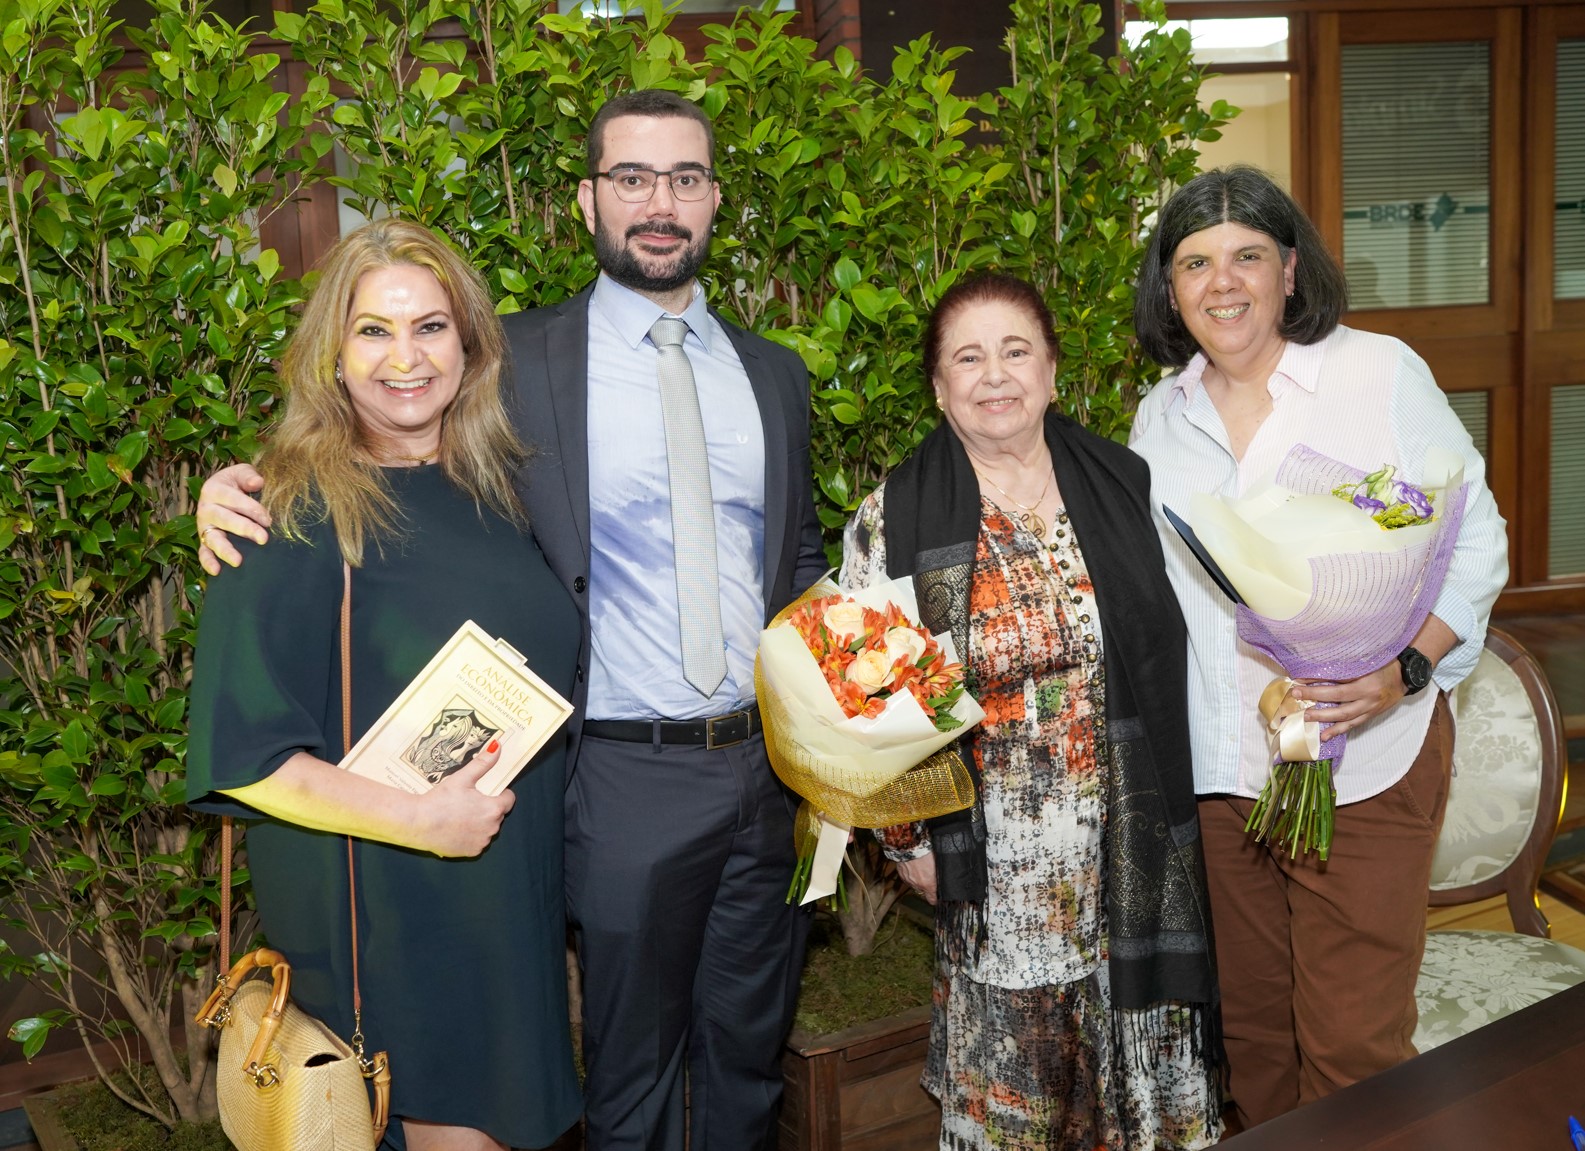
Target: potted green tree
<point>137,323</point>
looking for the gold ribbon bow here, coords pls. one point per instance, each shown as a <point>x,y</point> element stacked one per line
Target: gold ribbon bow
<point>1296,737</point>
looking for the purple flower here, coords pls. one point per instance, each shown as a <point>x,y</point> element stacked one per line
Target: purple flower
<point>1361,500</point>
<point>1414,497</point>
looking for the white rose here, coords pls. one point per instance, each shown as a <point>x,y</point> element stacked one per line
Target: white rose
<point>844,620</point>
<point>871,670</point>
<point>904,645</point>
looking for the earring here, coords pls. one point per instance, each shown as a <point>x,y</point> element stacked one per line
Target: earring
<point>940,407</point>
<point>339,378</point>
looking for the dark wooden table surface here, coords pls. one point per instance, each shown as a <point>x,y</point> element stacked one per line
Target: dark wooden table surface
<point>1509,1086</point>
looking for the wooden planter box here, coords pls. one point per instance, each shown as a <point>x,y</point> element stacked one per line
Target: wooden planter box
<point>43,1114</point>
<point>858,1089</point>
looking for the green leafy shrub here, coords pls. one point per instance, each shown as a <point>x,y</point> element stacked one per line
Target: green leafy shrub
<point>139,326</point>
<point>849,204</point>
<point>1096,145</point>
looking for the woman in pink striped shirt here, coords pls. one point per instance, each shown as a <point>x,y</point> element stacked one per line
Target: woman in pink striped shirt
<point>1240,297</point>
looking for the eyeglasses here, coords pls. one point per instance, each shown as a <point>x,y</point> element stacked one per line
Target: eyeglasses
<point>635,185</point>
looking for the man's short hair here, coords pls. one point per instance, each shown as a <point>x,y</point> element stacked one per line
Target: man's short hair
<point>655,103</point>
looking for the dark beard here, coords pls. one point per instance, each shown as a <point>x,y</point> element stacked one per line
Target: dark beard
<point>622,264</point>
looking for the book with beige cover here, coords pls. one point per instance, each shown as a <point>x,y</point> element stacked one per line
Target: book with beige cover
<point>475,689</point>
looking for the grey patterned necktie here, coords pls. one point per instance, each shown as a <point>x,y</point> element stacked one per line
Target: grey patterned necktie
<point>692,511</point>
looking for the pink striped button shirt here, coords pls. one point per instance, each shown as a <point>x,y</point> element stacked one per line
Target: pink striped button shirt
<point>1359,397</point>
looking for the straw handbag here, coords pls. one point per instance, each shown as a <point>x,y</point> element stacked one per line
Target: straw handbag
<point>286,1082</point>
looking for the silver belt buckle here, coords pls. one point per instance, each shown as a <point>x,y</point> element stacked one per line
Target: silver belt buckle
<point>710,742</point>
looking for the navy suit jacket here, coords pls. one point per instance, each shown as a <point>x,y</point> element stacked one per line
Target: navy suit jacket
<point>550,373</point>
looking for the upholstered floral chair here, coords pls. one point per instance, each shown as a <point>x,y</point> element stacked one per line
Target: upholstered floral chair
<point>1508,764</point>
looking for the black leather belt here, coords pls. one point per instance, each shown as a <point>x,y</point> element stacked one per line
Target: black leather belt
<point>716,731</point>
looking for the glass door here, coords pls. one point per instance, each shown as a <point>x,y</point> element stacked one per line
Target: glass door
<point>1555,298</point>
<point>1415,124</point>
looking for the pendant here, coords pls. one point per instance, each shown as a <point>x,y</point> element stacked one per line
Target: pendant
<point>1033,524</point>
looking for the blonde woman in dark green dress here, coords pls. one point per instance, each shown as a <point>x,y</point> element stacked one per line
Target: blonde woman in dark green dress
<point>395,453</point>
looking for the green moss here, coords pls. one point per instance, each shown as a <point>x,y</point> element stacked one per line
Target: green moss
<point>841,990</point>
<point>101,1122</point>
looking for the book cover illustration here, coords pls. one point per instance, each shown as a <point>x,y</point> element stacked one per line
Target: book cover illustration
<point>475,689</point>
<point>449,742</point>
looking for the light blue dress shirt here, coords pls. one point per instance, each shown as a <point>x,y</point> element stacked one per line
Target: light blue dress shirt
<point>635,669</point>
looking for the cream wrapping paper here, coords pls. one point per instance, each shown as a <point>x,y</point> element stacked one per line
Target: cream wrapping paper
<point>861,754</point>
<point>1329,594</point>
<point>1264,541</point>
<point>868,772</point>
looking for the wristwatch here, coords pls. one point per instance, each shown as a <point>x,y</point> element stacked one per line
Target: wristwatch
<point>1416,670</point>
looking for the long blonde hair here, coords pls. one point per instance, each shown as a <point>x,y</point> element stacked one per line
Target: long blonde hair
<point>321,461</point>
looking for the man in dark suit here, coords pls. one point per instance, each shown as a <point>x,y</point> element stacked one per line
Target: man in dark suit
<point>678,837</point>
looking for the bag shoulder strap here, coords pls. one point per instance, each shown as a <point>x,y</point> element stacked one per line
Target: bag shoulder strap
<point>346,744</point>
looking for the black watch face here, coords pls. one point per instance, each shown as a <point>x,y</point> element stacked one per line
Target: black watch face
<point>1416,669</point>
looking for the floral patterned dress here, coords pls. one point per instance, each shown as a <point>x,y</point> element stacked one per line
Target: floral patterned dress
<point>1022,1055</point>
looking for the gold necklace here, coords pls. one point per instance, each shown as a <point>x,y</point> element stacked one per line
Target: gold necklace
<point>416,461</point>
<point>1029,517</point>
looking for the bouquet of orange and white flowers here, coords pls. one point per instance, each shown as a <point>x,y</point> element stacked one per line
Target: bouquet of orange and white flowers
<point>859,701</point>
<point>869,655</point>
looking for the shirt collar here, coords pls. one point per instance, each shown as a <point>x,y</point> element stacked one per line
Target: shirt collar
<point>633,314</point>
<point>1187,381</point>
<point>1300,366</point>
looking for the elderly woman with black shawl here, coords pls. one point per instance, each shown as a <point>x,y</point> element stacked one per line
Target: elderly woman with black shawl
<point>1075,1001</point>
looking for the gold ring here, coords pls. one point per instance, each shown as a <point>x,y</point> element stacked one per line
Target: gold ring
<point>203,532</point>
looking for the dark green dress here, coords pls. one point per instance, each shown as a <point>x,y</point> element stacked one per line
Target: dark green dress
<point>463,967</point>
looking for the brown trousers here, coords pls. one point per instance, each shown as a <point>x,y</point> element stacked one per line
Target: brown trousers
<point>1318,961</point>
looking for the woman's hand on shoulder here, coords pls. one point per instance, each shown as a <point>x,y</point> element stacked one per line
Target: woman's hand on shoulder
<point>460,819</point>
<point>225,509</point>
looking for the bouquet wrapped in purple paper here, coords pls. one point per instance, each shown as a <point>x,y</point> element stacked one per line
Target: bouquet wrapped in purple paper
<point>1337,569</point>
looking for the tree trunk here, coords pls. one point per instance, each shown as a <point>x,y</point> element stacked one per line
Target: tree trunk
<point>872,887</point>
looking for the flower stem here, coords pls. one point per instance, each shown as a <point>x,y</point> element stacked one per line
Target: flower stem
<point>1297,809</point>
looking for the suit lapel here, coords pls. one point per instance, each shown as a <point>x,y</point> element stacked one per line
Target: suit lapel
<point>773,424</point>
<point>567,371</point>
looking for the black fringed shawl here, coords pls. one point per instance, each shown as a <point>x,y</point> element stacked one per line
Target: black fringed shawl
<point>1158,921</point>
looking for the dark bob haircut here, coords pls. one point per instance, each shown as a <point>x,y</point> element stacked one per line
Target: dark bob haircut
<point>1247,196</point>
<point>986,288</point>
<point>654,103</point>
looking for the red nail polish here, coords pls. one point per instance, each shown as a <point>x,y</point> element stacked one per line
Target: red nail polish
<point>493,745</point>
